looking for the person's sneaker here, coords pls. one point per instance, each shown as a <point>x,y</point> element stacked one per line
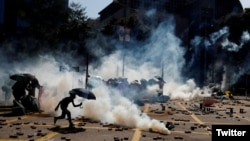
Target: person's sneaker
<point>71,125</point>
<point>55,119</point>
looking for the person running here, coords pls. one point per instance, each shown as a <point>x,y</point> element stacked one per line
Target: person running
<point>63,105</point>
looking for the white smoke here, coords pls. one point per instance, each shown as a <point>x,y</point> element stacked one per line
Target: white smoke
<point>186,91</point>
<point>219,45</point>
<point>231,46</point>
<point>245,37</point>
<point>110,106</point>
<point>214,37</point>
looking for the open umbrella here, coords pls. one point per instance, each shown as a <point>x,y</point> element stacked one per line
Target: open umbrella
<point>84,93</point>
<point>22,76</point>
<point>162,98</point>
<point>160,79</point>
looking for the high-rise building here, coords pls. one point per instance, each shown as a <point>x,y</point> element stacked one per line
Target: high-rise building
<point>199,14</point>
<point>121,8</point>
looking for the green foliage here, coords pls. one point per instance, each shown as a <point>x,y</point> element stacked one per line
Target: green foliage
<point>52,21</point>
<point>76,28</point>
<point>109,29</point>
<point>40,16</point>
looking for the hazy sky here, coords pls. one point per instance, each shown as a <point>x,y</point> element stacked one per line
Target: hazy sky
<point>245,3</point>
<point>95,6</point>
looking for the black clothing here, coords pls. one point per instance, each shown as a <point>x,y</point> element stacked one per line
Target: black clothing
<point>64,105</point>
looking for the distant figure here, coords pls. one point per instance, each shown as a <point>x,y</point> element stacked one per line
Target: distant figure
<point>161,83</point>
<point>33,84</point>
<point>7,92</point>
<point>64,105</point>
<point>220,93</point>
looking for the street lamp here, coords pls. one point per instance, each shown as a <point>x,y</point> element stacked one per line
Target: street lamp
<point>124,30</point>
<point>123,38</point>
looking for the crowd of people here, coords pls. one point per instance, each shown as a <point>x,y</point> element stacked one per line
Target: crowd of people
<point>133,90</point>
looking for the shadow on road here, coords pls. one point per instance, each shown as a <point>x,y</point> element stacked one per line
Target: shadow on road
<point>66,130</point>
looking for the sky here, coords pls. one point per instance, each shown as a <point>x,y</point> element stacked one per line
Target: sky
<point>245,3</point>
<point>95,6</point>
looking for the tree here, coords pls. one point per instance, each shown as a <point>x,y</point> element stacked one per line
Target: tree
<point>41,17</point>
<point>76,27</point>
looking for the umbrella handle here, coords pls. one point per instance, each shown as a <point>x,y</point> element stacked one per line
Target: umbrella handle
<point>81,105</point>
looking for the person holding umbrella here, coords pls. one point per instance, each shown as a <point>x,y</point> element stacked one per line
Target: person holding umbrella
<point>21,85</point>
<point>64,104</point>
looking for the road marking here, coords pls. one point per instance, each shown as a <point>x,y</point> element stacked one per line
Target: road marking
<point>48,136</point>
<point>12,140</point>
<point>137,133</point>
<point>16,119</point>
<point>182,132</point>
<point>145,108</point>
<point>193,116</point>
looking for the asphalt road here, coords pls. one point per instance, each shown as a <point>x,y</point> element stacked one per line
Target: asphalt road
<point>191,123</point>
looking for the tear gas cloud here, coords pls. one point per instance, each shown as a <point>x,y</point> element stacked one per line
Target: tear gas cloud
<point>162,49</point>
<point>226,70</point>
<point>110,106</point>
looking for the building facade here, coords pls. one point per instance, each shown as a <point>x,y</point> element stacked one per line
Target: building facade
<point>192,18</point>
<point>199,13</point>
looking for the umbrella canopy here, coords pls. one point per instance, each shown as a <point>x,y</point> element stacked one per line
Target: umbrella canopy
<point>159,78</point>
<point>84,93</point>
<point>162,98</point>
<point>22,77</point>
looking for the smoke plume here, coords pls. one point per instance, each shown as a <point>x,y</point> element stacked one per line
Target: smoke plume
<point>161,55</point>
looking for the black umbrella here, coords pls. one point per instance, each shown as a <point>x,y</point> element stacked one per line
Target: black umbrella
<point>22,76</point>
<point>84,93</point>
<point>160,79</point>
